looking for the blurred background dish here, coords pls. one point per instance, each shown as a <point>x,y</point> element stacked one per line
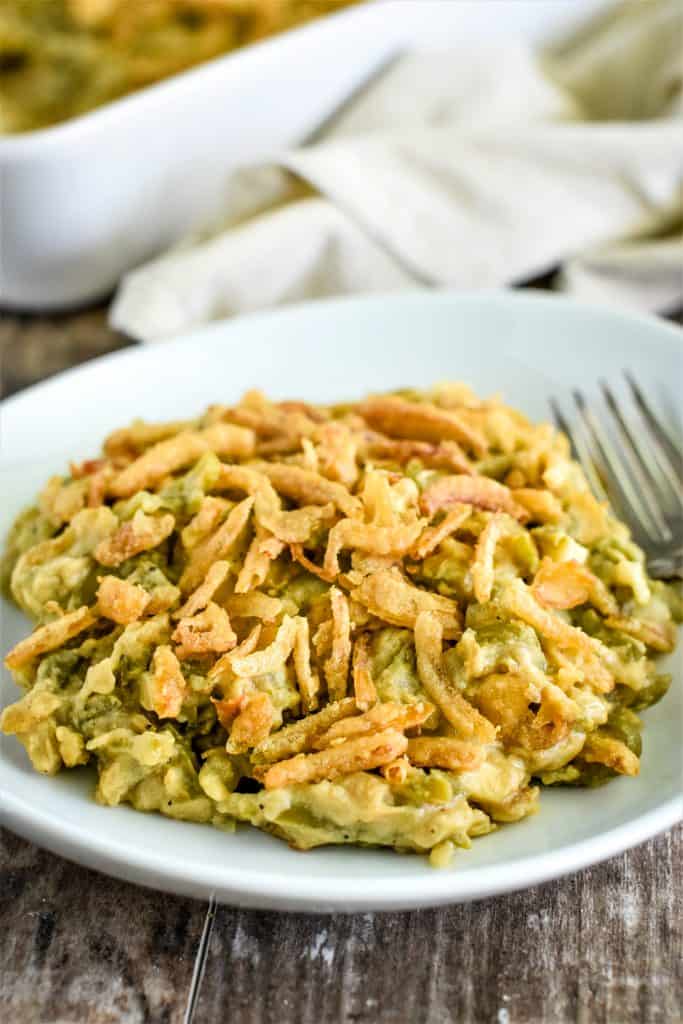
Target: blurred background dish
<point>87,199</point>
<point>63,58</point>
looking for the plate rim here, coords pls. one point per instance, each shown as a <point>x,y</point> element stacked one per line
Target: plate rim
<point>264,889</point>
<point>333,893</point>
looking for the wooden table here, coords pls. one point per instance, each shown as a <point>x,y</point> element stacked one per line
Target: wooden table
<point>600,947</point>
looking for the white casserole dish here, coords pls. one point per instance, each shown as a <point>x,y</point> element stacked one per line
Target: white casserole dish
<point>85,200</point>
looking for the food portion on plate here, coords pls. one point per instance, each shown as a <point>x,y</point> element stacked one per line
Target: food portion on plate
<point>385,623</point>
<point>61,58</point>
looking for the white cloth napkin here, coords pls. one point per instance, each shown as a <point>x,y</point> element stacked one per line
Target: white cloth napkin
<point>480,167</point>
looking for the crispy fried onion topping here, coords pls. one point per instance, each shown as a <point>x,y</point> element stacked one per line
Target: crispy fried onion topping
<point>421,421</point>
<point>464,718</point>
<point>174,453</point>
<point>479,491</point>
<point>569,584</point>
<point>50,636</point>
<point>207,632</point>
<point>356,755</point>
<point>141,533</point>
<point>120,601</point>
<point>392,598</point>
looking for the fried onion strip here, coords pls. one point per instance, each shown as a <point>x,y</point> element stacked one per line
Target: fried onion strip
<point>363,687</point>
<point>271,658</point>
<point>309,683</point>
<point>336,667</point>
<point>480,491</point>
<point>309,488</point>
<point>141,533</point>
<point>120,601</point>
<point>421,421</point>
<point>177,452</point>
<point>569,584</point>
<point>299,736</point>
<point>432,536</point>
<point>464,718</point>
<point>252,725</point>
<point>391,598</point>
<point>50,636</point>
<point>389,715</point>
<point>445,752</point>
<point>375,540</point>
<point>357,755</point>
<point>484,554</point>
<point>216,546</point>
<point>199,598</point>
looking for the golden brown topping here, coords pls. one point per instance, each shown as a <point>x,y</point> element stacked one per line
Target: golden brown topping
<point>120,601</point>
<point>141,533</point>
<point>445,752</point>
<point>130,441</point>
<point>50,637</point>
<point>300,735</point>
<point>391,598</point>
<point>165,689</point>
<point>464,718</point>
<point>660,636</point>
<point>421,421</point>
<point>297,553</point>
<point>207,632</point>
<point>271,658</point>
<point>382,716</point>
<point>248,646</point>
<point>376,540</point>
<point>211,512</point>
<point>363,686</point>
<point>167,456</point>
<point>216,547</point>
<point>357,755</point>
<point>479,491</point>
<point>518,600</point>
<point>252,724</point>
<point>308,681</point>
<point>337,665</point>
<point>568,584</point>
<point>336,452</point>
<point>263,550</point>
<point>482,566</point>
<point>542,506</point>
<point>447,455</point>
<point>253,605</point>
<point>430,539</point>
<point>228,710</point>
<point>309,488</point>
<point>199,598</point>
<point>396,772</point>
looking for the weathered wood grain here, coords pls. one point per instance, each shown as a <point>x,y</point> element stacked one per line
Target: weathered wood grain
<point>603,946</point>
<point>35,347</point>
<point>600,947</point>
<point>79,948</point>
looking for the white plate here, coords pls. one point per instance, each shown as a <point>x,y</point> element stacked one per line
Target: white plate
<point>524,345</point>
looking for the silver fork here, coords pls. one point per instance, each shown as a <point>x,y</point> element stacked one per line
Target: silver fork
<point>642,477</point>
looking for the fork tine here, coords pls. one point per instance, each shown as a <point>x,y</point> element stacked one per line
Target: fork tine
<point>638,464</point>
<point>580,451</point>
<point>621,480</point>
<point>667,454</point>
